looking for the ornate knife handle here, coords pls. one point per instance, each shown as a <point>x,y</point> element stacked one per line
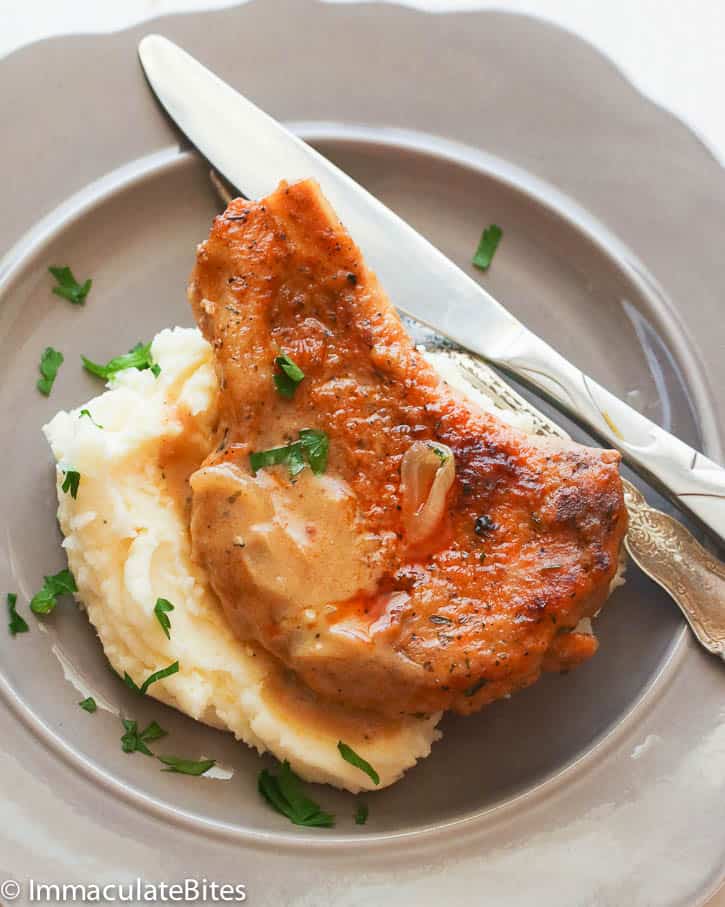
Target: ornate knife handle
<point>694,483</point>
<point>673,558</point>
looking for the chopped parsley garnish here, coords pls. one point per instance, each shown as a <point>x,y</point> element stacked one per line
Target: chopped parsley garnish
<point>152,678</point>
<point>317,446</point>
<point>313,446</point>
<point>487,246</point>
<point>291,455</point>
<point>88,704</point>
<point>50,361</point>
<point>349,755</point>
<point>62,583</point>
<point>16,624</point>
<point>71,482</point>
<point>160,608</point>
<point>361,813</point>
<point>85,412</point>
<point>284,793</point>
<point>442,454</point>
<point>288,377</point>
<point>139,357</point>
<point>134,741</point>
<point>68,287</point>
<point>186,766</point>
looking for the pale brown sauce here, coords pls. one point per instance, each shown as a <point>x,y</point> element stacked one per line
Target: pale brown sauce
<point>303,710</point>
<point>179,457</point>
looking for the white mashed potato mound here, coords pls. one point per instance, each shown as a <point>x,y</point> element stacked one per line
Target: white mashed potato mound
<point>128,545</point>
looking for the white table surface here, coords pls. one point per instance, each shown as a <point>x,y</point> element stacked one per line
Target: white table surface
<point>673,52</point>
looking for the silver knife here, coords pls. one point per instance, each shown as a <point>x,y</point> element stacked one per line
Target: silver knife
<point>254,152</point>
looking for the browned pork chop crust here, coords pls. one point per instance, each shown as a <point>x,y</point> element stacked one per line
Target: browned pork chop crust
<point>326,571</point>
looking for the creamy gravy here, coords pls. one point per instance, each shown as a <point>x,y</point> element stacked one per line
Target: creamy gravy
<point>295,546</point>
<point>303,710</point>
<point>179,456</point>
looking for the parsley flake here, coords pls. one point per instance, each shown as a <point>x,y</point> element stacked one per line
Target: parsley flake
<point>312,446</point>
<point>284,793</point>
<point>68,287</point>
<point>16,624</point>
<point>62,583</point>
<point>138,357</point>
<point>160,608</point>
<point>88,704</point>
<point>288,377</point>
<point>85,412</point>
<point>349,755</point>
<point>361,813</point>
<point>134,741</point>
<point>317,446</point>
<point>50,361</point>
<point>186,766</point>
<point>291,455</point>
<point>487,246</point>
<point>442,453</point>
<point>71,481</point>
<point>152,678</point>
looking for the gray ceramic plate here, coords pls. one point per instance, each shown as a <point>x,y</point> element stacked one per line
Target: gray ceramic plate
<point>602,788</point>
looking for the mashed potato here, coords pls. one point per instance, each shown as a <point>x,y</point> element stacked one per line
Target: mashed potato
<point>128,544</point>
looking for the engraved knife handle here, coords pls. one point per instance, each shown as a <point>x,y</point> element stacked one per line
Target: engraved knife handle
<point>671,556</point>
<point>693,483</point>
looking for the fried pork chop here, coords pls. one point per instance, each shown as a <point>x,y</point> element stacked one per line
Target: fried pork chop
<point>431,558</point>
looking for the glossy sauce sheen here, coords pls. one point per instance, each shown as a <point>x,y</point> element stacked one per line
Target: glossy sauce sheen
<point>318,569</point>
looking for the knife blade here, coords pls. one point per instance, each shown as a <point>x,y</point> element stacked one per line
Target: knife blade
<point>254,152</point>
